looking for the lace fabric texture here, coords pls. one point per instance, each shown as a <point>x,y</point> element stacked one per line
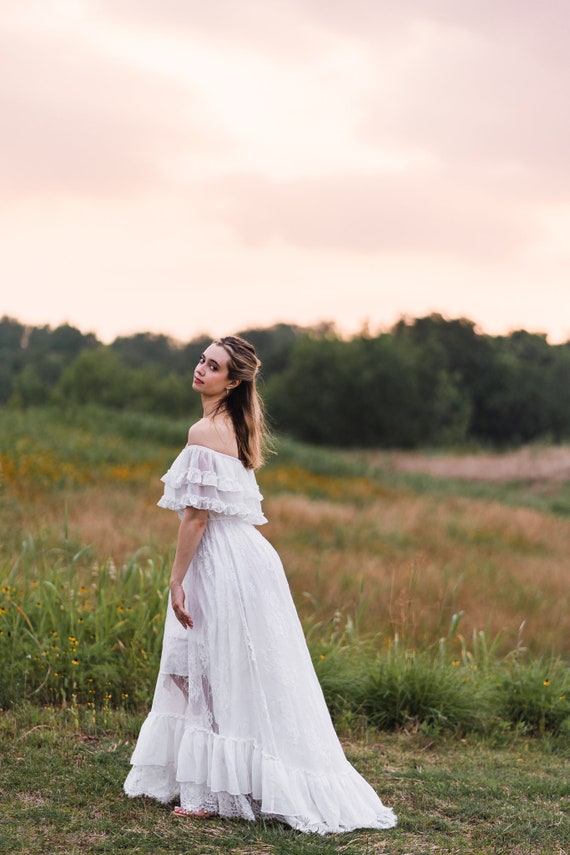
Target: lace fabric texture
<point>206,479</point>
<point>239,725</point>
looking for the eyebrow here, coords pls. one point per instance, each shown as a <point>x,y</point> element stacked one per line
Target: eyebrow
<point>209,359</point>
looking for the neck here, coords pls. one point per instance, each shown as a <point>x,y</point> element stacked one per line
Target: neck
<point>209,405</point>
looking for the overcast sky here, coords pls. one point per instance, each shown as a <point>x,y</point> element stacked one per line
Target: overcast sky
<point>184,166</point>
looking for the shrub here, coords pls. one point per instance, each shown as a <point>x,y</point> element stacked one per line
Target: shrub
<point>536,696</point>
<point>407,688</point>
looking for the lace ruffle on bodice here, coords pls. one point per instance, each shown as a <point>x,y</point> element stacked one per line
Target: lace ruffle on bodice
<point>212,481</point>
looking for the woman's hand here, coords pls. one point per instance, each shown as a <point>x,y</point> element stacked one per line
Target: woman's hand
<point>192,527</point>
<point>177,598</point>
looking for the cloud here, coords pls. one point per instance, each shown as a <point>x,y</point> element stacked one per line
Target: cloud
<point>468,85</point>
<point>414,212</point>
<point>474,84</point>
<point>269,27</point>
<point>287,138</point>
<point>374,20</point>
<point>477,103</point>
<point>77,121</point>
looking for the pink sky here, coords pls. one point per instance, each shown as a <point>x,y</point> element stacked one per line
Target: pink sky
<point>186,167</point>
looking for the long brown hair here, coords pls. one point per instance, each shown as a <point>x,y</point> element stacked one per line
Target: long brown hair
<point>243,403</point>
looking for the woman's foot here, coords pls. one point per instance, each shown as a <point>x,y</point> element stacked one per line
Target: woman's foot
<point>197,814</point>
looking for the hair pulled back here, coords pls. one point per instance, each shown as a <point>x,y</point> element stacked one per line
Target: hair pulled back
<point>243,403</point>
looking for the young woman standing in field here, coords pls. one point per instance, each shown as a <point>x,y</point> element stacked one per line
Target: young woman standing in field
<point>239,726</point>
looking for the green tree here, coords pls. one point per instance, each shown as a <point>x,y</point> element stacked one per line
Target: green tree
<point>96,376</point>
<point>149,349</point>
<point>274,346</point>
<point>28,390</point>
<point>11,337</point>
<point>473,361</point>
<point>363,392</point>
<point>557,394</point>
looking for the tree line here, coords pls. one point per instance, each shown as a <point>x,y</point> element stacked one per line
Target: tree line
<point>426,381</point>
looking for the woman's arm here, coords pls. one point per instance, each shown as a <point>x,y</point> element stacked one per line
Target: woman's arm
<point>190,533</point>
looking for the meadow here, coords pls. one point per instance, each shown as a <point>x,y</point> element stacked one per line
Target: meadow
<point>61,792</point>
<point>436,609</point>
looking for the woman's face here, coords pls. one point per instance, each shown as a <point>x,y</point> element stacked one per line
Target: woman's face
<point>211,373</point>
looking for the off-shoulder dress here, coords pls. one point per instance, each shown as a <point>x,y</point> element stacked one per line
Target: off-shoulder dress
<point>239,725</point>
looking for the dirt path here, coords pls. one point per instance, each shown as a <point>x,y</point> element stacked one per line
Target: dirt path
<point>526,464</point>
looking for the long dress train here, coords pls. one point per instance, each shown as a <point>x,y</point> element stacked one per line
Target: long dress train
<point>239,725</point>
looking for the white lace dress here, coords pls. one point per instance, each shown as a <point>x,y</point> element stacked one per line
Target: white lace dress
<point>239,724</point>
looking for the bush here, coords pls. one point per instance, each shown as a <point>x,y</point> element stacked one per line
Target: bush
<point>412,689</point>
<point>536,697</point>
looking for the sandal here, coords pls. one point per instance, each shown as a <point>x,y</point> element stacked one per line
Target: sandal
<point>198,814</point>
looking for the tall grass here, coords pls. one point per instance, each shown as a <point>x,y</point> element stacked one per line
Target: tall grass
<point>348,539</point>
<point>438,689</point>
<point>88,635</point>
<point>379,570</point>
<point>408,563</point>
<point>535,491</point>
<point>77,631</point>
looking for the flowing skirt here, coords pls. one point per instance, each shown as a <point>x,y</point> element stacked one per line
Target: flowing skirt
<point>239,725</point>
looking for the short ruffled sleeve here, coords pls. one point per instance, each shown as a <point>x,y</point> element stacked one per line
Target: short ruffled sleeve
<point>212,481</point>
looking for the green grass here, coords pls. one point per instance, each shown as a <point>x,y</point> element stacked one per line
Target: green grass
<point>61,790</point>
<point>92,431</point>
<point>89,636</point>
<point>474,755</point>
<point>72,631</point>
<point>453,687</point>
<point>88,438</point>
<point>546,496</point>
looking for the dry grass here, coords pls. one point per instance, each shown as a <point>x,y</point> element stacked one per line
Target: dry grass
<point>399,562</point>
<point>115,519</point>
<point>410,561</point>
<point>461,796</point>
<point>526,464</point>
<point>418,561</point>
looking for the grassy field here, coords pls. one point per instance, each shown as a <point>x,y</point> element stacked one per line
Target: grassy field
<point>436,607</point>
<point>60,786</point>
<point>396,552</point>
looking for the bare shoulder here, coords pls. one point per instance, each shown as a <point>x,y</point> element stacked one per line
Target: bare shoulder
<point>202,433</point>
<point>217,434</point>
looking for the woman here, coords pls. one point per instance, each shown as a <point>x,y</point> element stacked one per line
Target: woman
<point>239,726</point>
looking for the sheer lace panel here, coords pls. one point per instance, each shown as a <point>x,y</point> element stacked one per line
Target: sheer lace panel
<point>196,797</point>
